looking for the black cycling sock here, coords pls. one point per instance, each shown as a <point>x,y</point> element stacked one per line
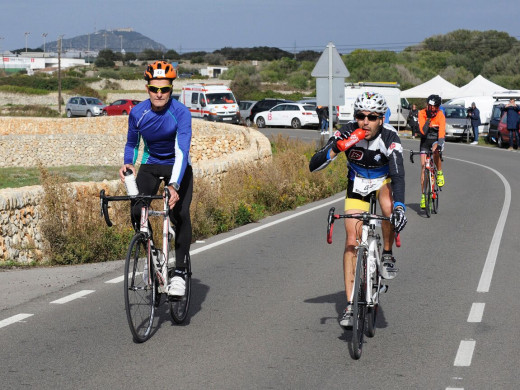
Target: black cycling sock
<point>385,252</point>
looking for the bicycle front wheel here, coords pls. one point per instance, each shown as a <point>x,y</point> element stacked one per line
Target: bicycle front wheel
<point>372,311</point>
<point>139,289</point>
<point>427,191</point>
<point>179,306</point>
<point>359,304</point>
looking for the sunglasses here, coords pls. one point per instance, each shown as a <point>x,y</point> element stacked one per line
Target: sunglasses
<point>371,117</point>
<point>155,89</point>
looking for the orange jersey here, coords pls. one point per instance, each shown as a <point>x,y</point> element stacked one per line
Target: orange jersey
<point>438,120</point>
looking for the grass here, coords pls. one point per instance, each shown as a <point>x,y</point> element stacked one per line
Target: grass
<point>21,177</point>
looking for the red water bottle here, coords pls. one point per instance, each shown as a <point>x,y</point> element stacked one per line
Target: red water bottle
<point>356,136</point>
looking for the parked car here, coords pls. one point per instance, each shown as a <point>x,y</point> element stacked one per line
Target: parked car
<point>502,137</point>
<point>245,107</point>
<point>264,105</point>
<point>313,101</point>
<point>120,107</point>
<point>294,115</point>
<point>84,106</point>
<point>458,125</point>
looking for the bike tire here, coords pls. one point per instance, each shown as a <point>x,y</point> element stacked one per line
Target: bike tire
<point>427,191</point>
<point>435,196</point>
<point>179,307</point>
<point>372,311</point>
<point>359,304</point>
<point>139,291</point>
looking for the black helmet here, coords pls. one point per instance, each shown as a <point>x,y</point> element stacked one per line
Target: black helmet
<point>434,100</point>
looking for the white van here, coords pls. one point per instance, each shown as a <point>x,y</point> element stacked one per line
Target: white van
<point>484,105</point>
<point>399,107</point>
<point>213,102</point>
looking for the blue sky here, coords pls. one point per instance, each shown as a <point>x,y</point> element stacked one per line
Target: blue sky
<point>209,25</point>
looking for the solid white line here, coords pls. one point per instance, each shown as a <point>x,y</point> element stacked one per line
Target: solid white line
<point>476,313</point>
<point>491,259</point>
<point>454,388</point>
<point>71,297</point>
<point>17,318</point>
<point>254,230</point>
<point>465,353</point>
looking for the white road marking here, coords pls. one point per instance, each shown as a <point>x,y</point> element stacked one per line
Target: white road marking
<point>465,353</point>
<point>454,388</point>
<point>477,312</point>
<point>491,259</point>
<point>119,279</point>
<point>72,297</point>
<point>17,318</point>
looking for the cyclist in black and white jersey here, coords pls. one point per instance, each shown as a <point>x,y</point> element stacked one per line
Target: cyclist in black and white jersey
<point>375,163</point>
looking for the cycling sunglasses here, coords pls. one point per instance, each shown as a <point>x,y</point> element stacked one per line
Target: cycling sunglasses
<point>155,89</point>
<point>371,117</point>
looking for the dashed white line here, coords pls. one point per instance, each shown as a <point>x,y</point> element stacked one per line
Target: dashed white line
<point>72,297</point>
<point>477,312</point>
<point>17,318</point>
<point>465,353</point>
<point>119,279</point>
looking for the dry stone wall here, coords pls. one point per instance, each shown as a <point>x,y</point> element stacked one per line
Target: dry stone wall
<point>27,142</point>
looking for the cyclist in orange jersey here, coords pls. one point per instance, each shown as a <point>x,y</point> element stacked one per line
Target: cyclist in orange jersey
<point>432,127</point>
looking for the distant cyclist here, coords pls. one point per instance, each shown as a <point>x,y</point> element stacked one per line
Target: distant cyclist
<point>375,162</point>
<point>164,125</point>
<point>432,126</point>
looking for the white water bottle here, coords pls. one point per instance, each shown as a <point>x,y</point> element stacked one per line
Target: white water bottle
<point>130,184</point>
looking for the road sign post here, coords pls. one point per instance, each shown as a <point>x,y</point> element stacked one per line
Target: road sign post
<point>330,73</point>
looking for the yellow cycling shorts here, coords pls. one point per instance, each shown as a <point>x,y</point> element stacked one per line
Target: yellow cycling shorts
<point>355,201</point>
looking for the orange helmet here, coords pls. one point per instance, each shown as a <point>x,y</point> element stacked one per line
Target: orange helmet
<point>160,70</point>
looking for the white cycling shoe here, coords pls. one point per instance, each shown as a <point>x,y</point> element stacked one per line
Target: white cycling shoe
<point>177,286</point>
<point>388,270</point>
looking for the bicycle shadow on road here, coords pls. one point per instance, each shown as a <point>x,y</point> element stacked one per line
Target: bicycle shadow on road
<point>417,208</point>
<point>199,291</point>
<point>340,302</point>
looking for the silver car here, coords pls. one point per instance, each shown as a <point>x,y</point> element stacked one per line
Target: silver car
<point>457,123</point>
<point>84,106</point>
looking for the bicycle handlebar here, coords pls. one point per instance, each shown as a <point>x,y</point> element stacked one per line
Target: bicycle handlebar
<point>428,153</point>
<point>105,199</point>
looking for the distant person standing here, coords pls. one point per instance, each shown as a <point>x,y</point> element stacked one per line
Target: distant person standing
<point>512,122</point>
<point>387,115</point>
<point>323,115</point>
<point>474,115</point>
<point>413,120</point>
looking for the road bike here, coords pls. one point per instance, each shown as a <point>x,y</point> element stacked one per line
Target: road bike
<point>368,283</point>
<point>430,188</point>
<point>148,269</point>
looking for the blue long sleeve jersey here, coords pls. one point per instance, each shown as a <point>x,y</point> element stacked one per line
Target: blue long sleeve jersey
<point>166,135</point>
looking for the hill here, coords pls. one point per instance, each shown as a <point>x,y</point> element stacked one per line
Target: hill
<point>129,40</point>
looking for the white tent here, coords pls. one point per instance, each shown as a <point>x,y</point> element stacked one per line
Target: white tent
<point>437,86</point>
<point>480,86</point>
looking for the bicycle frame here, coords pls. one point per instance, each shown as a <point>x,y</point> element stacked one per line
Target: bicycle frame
<point>160,257</point>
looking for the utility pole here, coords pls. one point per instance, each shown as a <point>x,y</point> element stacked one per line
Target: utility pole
<point>105,35</point>
<point>121,38</point>
<point>26,33</point>
<point>88,49</point>
<point>59,72</point>
<point>43,36</point>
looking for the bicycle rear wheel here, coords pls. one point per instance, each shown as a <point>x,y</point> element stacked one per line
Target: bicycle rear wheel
<point>359,304</point>
<point>435,195</point>
<point>139,289</point>
<point>427,191</point>
<point>179,306</point>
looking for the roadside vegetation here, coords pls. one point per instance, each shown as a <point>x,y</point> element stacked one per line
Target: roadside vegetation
<point>75,233</point>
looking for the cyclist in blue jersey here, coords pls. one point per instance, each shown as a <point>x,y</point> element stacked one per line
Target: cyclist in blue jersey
<point>164,126</point>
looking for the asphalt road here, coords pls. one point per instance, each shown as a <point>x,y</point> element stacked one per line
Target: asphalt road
<point>266,298</point>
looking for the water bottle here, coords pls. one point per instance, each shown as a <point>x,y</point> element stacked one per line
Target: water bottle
<point>130,184</point>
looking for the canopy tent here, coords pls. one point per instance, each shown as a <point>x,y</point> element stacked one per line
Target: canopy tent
<point>480,86</point>
<point>437,86</point>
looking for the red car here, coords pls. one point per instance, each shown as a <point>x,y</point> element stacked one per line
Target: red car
<point>120,107</point>
<point>503,134</point>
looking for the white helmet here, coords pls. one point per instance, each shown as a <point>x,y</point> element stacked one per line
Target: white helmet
<point>371,101</point>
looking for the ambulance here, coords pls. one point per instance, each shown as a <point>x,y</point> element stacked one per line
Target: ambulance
<point>212,102</point>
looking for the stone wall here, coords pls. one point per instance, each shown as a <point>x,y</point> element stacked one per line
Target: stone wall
<point>25,142</point>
